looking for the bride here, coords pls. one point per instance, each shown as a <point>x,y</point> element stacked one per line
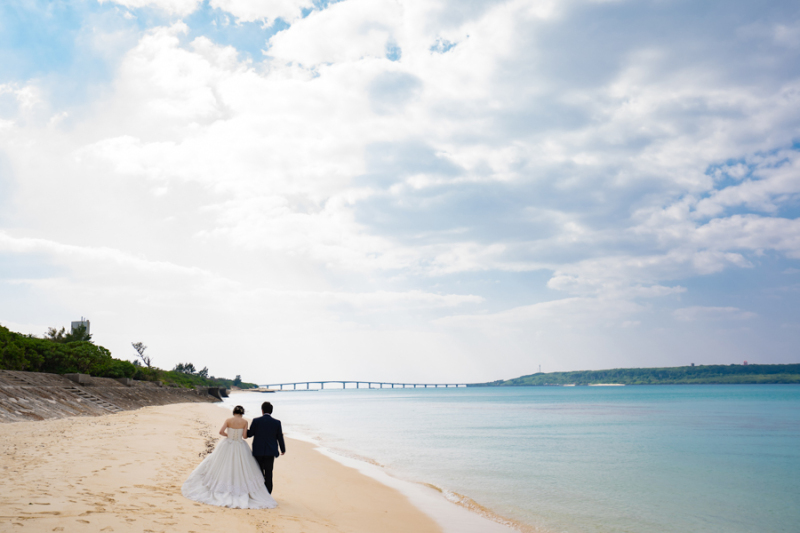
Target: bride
<point>230,475</point>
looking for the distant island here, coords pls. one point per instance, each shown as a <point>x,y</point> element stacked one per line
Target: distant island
<point>680,375</point>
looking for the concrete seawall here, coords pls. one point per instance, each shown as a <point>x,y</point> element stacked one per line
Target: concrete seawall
<point>38,396</point>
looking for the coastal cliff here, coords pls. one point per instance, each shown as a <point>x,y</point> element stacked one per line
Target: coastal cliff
<point>39,396</point>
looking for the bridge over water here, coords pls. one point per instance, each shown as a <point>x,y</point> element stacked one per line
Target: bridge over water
<point>306,385</point>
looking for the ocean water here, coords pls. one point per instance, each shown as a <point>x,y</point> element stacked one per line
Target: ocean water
<point>690,458</point>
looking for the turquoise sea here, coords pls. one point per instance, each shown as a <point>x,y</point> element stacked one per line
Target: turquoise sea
<point>683,458</point>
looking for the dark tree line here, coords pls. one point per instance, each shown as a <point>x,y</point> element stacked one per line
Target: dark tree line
<point>188,368</point>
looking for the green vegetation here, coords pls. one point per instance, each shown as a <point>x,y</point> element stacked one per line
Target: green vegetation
<point>702,374</point>
<point>59,355</point>
<point>66,353</point>
<point>188,368</point>
<point>182,379</point>
<point>79,334</point>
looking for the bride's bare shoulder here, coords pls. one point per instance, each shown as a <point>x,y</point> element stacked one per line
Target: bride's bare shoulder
<point>236,423</point>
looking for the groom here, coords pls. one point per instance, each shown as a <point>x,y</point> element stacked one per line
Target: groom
<point>267,436</point>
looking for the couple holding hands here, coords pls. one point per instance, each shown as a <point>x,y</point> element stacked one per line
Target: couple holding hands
<point>232,475</point>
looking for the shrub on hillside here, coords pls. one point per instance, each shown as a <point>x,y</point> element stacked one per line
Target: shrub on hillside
<point>31,354</point>
<point>57,355</point>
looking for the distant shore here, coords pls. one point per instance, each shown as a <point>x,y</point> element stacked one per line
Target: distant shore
<point>743,374</point>
<point>123,472</point>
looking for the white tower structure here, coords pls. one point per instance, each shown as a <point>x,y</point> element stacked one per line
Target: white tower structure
<point>83,322</point>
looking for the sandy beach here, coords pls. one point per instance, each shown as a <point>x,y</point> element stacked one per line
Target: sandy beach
<point>123,472</point>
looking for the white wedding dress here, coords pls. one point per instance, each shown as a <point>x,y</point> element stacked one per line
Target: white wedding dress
<point>229,477</point>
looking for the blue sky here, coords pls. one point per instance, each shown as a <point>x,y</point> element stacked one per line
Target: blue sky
<point>404,190</point>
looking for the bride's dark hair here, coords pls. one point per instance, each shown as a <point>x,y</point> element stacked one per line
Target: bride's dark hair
<point>238,410</point>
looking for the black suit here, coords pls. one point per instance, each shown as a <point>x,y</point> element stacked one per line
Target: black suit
<point>267,438</point>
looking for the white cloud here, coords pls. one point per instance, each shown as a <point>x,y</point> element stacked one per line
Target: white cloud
<point>698,313</point>
<point>776,181</point>
<point>345,31</point>
<point>32,245</point>
<point>267,11</point>
<point>220,104</point>
<point>386,147</point>
<point>788,34</point>
<point>28,96</point>
<point>752,232</point>
<point>567,314</point>
<point>388,300</point>
<point>638,275</point>
<point>91,260</point>
<point>173,7</point>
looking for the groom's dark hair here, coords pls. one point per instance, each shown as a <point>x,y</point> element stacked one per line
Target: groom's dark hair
<point>266,408</point>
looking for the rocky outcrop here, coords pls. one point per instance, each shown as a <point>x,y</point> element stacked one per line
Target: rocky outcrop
<point>37,396</point>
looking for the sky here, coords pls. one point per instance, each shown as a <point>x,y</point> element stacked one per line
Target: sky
<point>404,190</point>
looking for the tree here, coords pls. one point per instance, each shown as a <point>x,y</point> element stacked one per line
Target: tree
<point>203,373</point>
<point>78,334</point>
<point>237,381</point>
<point>61,336</point>
<point>184,368</point>
<point>140,348</point>
<point>55,335</point>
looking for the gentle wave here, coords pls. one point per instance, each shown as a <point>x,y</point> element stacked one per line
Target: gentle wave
<point>471,505</point>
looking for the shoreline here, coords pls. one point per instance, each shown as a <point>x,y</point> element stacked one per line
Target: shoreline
<point>123,472</point>
<point>453,512</point>
<point>457,515</point>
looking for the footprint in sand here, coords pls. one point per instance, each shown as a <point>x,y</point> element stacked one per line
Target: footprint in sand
<point>84,521</point>
<point>58,529</point>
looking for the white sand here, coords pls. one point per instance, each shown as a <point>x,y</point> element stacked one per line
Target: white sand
<point>123,473</point>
